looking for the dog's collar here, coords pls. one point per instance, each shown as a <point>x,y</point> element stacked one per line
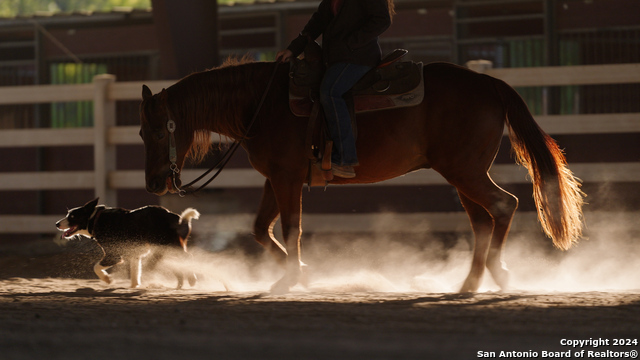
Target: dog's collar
<point>94,219</point>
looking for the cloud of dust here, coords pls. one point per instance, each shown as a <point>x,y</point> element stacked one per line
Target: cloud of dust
<point>605,260</point>
<point>426,263</point>
<point>216,271</point>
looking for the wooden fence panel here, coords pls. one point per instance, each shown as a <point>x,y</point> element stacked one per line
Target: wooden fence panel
<point>105,136</point>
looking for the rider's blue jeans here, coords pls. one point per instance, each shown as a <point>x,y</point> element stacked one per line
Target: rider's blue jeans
<point>338,79</point>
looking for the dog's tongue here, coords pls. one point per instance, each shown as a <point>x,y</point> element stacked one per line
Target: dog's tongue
<point>70,231</point>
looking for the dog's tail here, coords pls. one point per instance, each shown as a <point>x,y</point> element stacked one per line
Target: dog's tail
<point>184,227</point>
<point>188,214</point>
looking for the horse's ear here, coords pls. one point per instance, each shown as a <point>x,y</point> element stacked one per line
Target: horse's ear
<point>163,95</point>
<point>146,93</point>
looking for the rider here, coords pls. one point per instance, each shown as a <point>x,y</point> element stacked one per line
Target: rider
<point>350,30</point>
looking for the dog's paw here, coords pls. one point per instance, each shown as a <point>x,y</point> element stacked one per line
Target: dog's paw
<point>102,273</point>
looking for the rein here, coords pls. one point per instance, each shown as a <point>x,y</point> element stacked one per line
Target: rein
<point>173,157</point>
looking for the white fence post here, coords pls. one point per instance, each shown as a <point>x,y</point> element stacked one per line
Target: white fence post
<point>480,66</point>
<point>104,154</point>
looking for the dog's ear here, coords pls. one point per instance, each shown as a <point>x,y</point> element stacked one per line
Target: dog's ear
<point>92,204</point>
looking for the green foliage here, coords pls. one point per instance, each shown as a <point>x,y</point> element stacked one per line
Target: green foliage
<point>12,8</point>
<point>235,1</point>
<point>78,113</point>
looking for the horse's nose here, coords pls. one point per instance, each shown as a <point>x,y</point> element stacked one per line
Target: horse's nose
<point>155,185</point>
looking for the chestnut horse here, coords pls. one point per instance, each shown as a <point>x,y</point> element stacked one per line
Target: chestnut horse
<point>455,131</point>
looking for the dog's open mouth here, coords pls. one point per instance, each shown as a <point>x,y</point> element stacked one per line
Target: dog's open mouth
<point>70,231</point>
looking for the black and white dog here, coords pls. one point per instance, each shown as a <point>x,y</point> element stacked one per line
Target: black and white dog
<point>130,235</point>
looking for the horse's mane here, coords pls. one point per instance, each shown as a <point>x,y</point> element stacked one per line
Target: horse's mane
<point>215,99</point>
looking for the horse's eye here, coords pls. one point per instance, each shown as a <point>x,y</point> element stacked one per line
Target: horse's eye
<point>160,135</point>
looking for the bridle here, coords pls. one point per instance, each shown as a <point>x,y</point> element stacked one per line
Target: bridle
<point>173,159</point>
<point>173,153</point>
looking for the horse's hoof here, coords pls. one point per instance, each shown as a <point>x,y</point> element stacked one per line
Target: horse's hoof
<point>279,288</point>
<point>283,285</point>
<point>304,276</point>
<point>502,281</point>
<point>470,286</point>
<point>226,287</point>
<point>500,275</point>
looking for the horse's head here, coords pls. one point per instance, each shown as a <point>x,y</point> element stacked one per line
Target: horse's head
<point>165,144</point>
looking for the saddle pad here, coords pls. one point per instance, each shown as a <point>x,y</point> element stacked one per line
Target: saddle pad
<point>397,85</point>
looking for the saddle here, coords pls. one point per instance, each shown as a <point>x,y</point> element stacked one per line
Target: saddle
<point>391,84</point>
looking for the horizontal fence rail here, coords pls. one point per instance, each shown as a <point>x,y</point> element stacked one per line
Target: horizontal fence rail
<point>249,178</point>
<point>416,223</point>
<point>105,179</point>
<point>537,76</point>
<point>569,75</point>
<point>128,135</point>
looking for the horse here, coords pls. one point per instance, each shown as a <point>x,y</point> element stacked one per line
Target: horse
<point>456,131</point>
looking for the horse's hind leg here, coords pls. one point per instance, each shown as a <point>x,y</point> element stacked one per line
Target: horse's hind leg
<point>490,210</point>
<point>263,227</point>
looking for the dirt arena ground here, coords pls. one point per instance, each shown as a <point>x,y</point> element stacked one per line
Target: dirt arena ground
<point>351,310</point>
<point>83,319</point>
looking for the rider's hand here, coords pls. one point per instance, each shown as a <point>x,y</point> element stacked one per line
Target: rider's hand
<point>284,55</point>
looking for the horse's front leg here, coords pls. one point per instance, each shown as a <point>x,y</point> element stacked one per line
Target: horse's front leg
<point>263,227</point>
<point>288,194</point>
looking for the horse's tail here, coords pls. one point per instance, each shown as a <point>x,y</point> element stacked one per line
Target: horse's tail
<point>556,191</point>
